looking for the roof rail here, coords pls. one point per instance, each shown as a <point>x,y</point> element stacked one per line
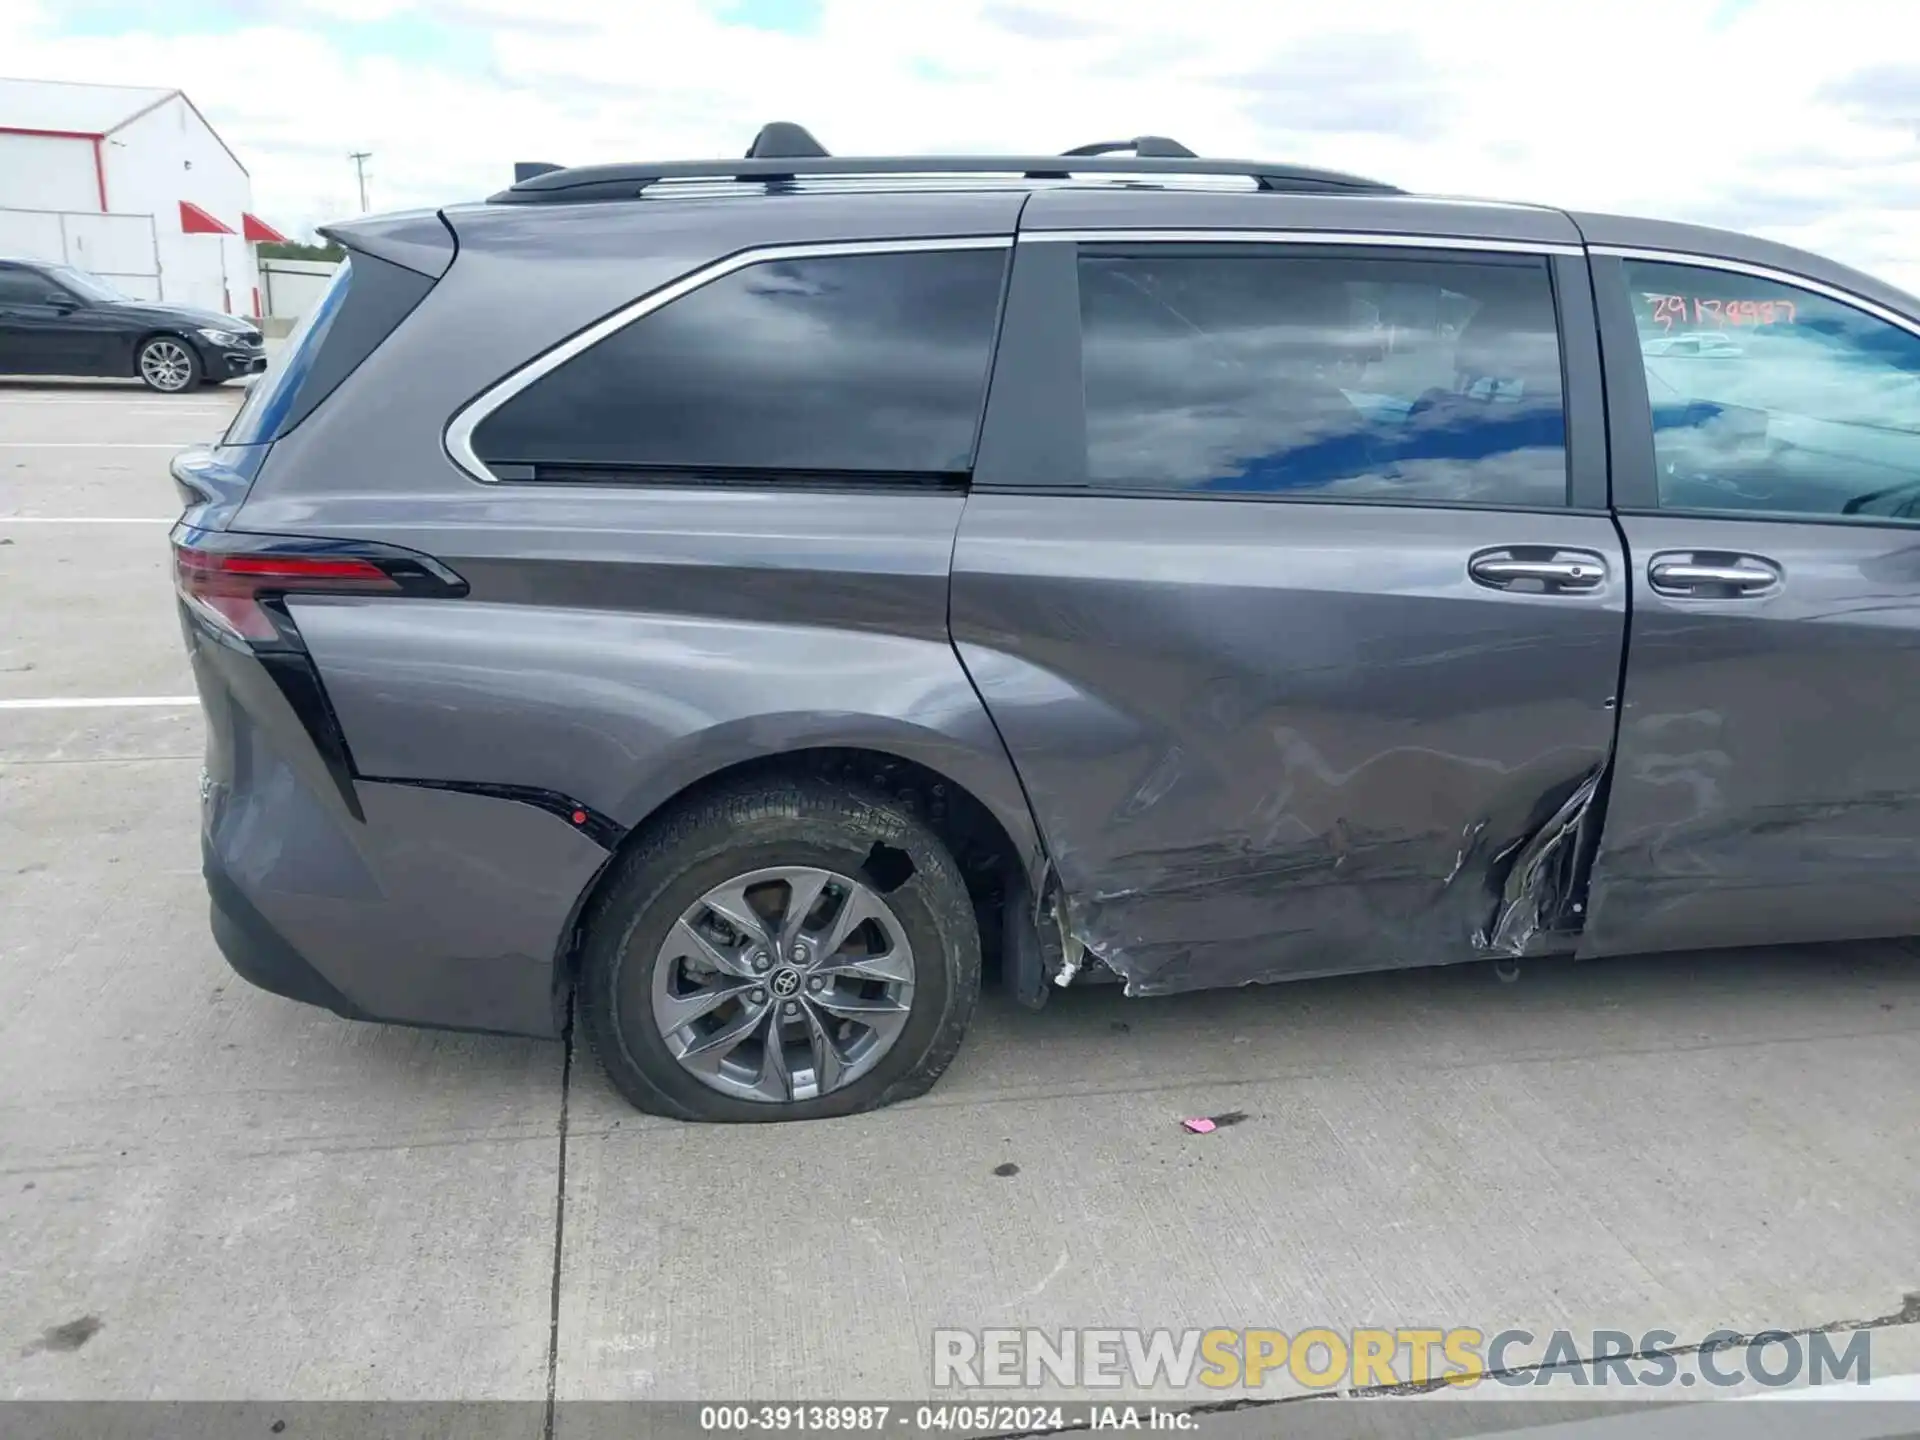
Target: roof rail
<point>784,151</point>
<point>1139,145</point>
<point>626,182</point>
<point>784,138</point>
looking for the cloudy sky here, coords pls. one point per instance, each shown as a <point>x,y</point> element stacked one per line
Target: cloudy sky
<point>1797,119</point>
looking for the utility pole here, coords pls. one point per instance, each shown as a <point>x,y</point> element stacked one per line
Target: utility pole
<point>360,158</point>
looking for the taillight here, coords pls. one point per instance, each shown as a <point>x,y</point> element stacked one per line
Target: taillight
<point>225,586</point>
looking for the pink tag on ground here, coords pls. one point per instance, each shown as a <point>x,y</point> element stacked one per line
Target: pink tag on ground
<point>1200,1125</point>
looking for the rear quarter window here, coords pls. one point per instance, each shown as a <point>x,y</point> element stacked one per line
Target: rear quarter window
<point>844,364</point>
<point>362,305</point>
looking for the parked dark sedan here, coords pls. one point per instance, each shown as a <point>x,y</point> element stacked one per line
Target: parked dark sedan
<point>55,320</point>
<point>719,621</point>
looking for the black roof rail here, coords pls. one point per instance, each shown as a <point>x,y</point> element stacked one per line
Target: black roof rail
<point>626,182</point>
<point>784,138</point>
<point>1139,145</point>
<point>527,169</point>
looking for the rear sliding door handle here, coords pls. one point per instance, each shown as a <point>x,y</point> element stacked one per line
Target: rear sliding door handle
<point>1720,577</point>
<point>1537,569</point>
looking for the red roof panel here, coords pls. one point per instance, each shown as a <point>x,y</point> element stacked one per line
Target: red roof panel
<point>252,227</point>
<point>195,221</point>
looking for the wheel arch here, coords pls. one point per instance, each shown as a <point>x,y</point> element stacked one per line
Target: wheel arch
<point>982,817</point>
<point>958,744</point>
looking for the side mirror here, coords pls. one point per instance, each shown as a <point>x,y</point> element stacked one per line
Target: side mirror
<point>63,302</point>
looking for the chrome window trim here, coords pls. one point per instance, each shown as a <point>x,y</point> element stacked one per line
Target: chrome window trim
<point>458,439</point>
<point>1478,202</point>
<point>1385,239</point>
<point>1763,272</point>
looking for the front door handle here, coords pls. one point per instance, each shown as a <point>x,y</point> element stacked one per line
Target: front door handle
<point>1712,576</point>
<point>1538,568</point>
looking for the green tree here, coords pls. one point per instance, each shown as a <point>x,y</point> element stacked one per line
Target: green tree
<point>294,250</point>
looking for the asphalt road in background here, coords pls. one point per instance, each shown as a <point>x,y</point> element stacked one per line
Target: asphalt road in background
<point>209,1192</point>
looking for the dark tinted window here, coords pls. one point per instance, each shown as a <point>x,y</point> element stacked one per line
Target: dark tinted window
<point>1769,399</point>
<point>362,306</point>
<point>270,399</point>
<point>25,287</point>
<point>840,363</point>
<point>1351,377</point>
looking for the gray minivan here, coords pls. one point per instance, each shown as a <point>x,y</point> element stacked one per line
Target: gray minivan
<point>735,595</point>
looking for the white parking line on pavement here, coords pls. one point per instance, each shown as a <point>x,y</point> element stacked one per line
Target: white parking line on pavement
<point>110,702</point>
<point>116,401</point>
<point>94,444</point>
<point>85,520</point>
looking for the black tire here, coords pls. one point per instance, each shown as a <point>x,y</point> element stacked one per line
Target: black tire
<point>182,361</point>
<point>798,822</point>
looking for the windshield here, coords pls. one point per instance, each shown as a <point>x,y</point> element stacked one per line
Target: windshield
<point>271,397</point>
<point>91,287</point>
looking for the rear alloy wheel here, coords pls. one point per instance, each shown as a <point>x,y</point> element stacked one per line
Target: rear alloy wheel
<point>783,953</point>
<point>783,984</point>
<point>169,365</point>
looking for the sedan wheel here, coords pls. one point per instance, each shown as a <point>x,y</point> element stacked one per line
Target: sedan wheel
<point>168,365</point>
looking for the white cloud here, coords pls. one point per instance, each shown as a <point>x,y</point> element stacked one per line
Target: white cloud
<point>1787,119</point>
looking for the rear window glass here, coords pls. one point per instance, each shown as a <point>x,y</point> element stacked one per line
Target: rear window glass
<point>840,364</point>
<point>270,399</point>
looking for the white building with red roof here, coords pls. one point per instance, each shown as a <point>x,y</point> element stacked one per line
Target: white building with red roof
<point>132,184</point>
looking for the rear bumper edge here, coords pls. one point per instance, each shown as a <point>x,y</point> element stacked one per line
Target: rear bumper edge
<point>260,955</point>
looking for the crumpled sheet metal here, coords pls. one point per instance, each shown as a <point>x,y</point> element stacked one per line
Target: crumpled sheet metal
<point>1361,900</point>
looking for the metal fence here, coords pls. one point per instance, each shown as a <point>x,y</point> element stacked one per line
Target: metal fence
<point>288,287</point>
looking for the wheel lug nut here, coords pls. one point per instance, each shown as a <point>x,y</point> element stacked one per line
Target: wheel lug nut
<point>792,1007</point>
<point>816,984</point>
<point>758,997</point>
<point>759,960</point>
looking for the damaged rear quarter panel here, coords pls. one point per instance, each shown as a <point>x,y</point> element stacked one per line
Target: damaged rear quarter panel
<point>1267,741</point>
